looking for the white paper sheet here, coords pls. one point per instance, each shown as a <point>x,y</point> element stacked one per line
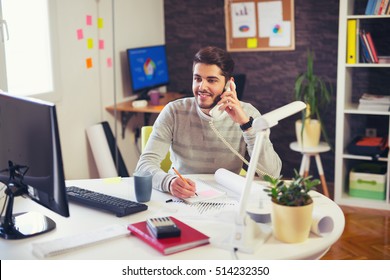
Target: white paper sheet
<point>269,13</point>
<point>280,34</point>
<point>243,20</point>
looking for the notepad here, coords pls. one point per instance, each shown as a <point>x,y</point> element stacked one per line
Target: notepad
<point>204,192</point>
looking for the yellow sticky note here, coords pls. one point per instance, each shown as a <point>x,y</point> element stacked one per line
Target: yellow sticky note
<point>88,62</point>
<point>90,43</point>
<point>113,180</point>
<point>251,43</point>
<point>100,23</point>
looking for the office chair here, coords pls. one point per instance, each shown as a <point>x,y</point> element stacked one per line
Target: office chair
<point>145,133</point>
<point>239,80</point>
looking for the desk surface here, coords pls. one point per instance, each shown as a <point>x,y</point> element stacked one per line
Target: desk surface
<point>84,219</point>
<point>127,106</point>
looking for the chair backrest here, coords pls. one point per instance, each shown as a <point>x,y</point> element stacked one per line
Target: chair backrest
<point>145,133</point>
<point>239,80</point>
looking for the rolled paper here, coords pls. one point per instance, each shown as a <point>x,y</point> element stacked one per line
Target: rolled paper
<point>322,224</point>
<point>231,181</point>
<point>101,152</point>
<point>261,211</point>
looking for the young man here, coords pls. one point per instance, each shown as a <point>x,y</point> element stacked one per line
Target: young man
<point>183,128</point>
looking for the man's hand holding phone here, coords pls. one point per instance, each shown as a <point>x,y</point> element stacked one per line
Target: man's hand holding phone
<point>217,111</point>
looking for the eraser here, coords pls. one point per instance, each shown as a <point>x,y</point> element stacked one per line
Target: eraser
<point>140,103</point>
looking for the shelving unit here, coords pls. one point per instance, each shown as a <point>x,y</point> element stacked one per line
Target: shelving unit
<point>352,81</point>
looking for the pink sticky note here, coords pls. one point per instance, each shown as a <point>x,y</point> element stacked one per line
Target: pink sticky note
<point>101,44</point>
<point>80,34</point>
<point>89,20</point>
<point>109,62</point>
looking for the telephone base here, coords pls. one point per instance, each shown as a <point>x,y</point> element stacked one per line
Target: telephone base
<point>245,237</point>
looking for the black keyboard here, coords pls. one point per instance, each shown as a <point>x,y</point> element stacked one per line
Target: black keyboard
<point>119,206</point>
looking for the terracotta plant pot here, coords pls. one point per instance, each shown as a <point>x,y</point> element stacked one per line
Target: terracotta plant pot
<point>291,224</point>
<point>311,133</point>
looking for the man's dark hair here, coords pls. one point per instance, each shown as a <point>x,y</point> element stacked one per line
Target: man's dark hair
<point>213,55</point>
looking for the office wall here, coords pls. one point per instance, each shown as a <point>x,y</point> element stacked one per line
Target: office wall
<point>185,26</point>
<point>80,102</point>
<point>137,23</point>
<point>85,92</point>
<point>270,75</point>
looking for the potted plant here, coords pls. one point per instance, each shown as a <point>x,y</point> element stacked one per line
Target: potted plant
<point>316,93</point>
<point>292,207</point>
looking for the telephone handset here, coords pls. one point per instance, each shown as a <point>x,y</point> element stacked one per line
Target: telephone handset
<point>215,113</point>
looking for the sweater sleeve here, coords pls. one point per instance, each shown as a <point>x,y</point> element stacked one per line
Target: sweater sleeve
<point>155,151</point>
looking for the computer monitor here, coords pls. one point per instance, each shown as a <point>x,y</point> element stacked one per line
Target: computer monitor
<point>30,164</point>
<point>148,69</point>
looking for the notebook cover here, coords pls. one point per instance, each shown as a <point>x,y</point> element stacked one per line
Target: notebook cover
<point>351,41</point>
<point>372,47</point>
<point>190,238</point>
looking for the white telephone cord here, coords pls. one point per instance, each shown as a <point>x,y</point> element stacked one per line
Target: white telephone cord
<point>233,150</point>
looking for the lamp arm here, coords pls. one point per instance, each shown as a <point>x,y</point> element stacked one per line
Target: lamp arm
<point>250,175</point>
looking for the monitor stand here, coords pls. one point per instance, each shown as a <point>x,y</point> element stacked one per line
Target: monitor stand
<point>25,225</point>
<point>21,225</point>
<point>143,95</point>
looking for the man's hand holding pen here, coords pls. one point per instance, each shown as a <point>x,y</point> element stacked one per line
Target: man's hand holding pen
<point>182,187</point>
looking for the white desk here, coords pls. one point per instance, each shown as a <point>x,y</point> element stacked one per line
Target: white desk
<point>129,247</point>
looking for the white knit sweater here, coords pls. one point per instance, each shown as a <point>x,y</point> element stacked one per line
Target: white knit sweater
<point>184,130</point>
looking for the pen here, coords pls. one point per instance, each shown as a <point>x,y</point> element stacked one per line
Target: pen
<point>181,177</point>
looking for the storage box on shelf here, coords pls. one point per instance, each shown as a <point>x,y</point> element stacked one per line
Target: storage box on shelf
<point>354,79</point>
<point>368,180</point>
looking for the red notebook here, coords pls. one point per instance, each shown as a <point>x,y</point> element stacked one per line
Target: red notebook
<point>189,238</point>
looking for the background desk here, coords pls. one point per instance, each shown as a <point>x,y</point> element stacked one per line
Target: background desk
<point>127,110</point>
<point>129,247</point>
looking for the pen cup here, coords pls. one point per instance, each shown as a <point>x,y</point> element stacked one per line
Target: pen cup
<point>154,97</point>
<point>143,186</point>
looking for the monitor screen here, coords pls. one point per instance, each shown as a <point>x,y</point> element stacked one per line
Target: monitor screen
<point>30,161</point>
<point>148,68</point>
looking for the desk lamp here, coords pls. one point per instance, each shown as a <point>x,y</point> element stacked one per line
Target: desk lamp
<point>247,234</point>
